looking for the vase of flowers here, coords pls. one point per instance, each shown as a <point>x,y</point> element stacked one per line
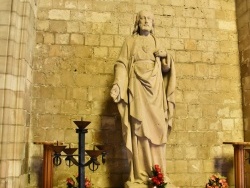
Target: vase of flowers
<point>72,182</point>
<point>157,178</point>
<point>217,181</point>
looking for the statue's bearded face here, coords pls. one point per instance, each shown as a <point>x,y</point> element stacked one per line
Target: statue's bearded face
<point>146,21</point>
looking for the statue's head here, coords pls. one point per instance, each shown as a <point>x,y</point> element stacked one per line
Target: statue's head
<point>144,21</point>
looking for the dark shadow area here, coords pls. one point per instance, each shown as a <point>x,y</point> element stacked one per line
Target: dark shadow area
<point>37,168</point>
<point>117,167</point>
<point>224,166</point>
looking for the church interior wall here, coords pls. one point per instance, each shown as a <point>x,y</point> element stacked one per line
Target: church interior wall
<point>17,39</point>
<point>76,45</point>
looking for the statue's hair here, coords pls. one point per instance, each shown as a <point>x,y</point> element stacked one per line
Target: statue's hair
<point>137,21</point>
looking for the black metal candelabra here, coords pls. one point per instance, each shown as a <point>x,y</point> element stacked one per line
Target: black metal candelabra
<point>93,163</point>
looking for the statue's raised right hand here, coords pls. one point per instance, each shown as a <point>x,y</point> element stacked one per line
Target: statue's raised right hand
<point>115,93</point>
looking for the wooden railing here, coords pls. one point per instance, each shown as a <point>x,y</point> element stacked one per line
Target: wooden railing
<point>47,179</point>
<point>239,159</point>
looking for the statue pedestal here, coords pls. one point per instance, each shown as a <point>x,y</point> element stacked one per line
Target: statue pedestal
<point>169,185</point>
<point>130,185</point>
<point>137,185</point>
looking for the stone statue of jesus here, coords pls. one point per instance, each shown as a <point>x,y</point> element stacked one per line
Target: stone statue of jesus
<point>144,90</point>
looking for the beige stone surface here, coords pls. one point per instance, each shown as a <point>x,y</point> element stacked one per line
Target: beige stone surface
<point>15,89</point>
<point>68,74</point>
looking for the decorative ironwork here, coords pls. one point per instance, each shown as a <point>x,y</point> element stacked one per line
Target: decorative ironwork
<point>92,163</point>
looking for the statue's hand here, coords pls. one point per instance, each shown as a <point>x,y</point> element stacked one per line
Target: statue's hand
<point>160,53</point>
<point>115,93</point>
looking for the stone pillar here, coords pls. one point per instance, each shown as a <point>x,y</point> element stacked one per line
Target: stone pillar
<point>243,23</point>
<point>16,45</point>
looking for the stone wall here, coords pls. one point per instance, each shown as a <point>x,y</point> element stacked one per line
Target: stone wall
<point>243,22</point>
<point>17,37</point>
<point>78,42</point>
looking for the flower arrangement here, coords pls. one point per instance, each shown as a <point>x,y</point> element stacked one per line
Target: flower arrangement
<point>72,182</point>
<point>157,179</point>
<point>217,181</point>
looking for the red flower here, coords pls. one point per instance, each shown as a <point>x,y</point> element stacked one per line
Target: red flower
<point>160,176</point>
<point>157,178</point>
<point>157,168</point>
<point>70,181</point>
<point>87,183</point>
<point>217,181</point>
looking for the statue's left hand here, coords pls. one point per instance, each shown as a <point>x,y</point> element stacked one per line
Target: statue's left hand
<point>160,53</point>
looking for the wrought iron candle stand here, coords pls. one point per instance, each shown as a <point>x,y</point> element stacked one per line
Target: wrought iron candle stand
<point>93,163</point>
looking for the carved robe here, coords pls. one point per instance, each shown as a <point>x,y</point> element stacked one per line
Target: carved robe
<point>147,86</point>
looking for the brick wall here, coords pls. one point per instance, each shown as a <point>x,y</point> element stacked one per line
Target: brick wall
<point>17,37</point>
<point>243,14</point>
<point>78,42</point>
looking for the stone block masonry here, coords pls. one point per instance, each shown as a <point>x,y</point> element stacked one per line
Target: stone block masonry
<point>78,44</point>
<point>69,72</point>
<point>17,41</point>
